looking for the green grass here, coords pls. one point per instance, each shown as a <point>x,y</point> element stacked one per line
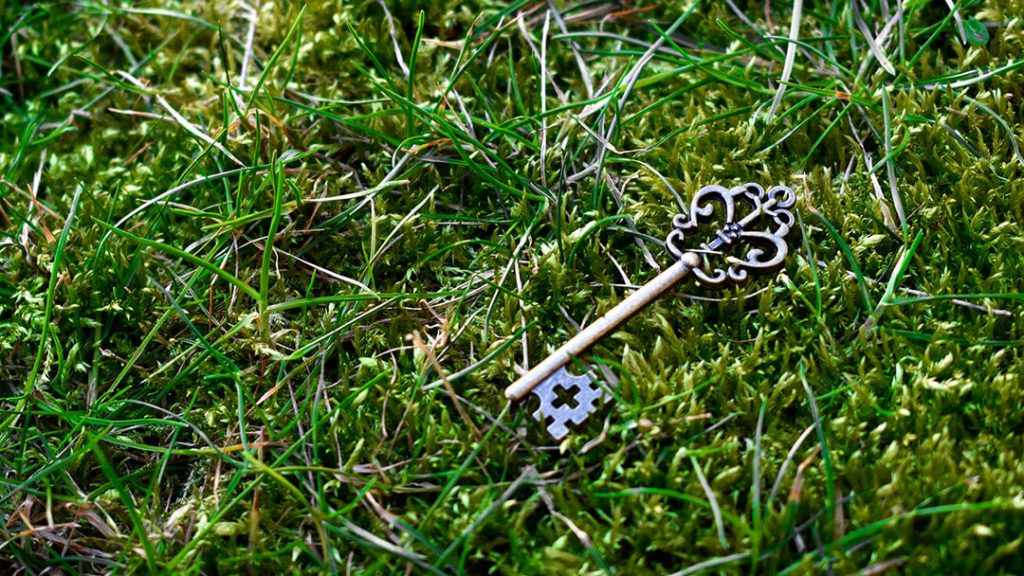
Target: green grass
<point>264,276</point>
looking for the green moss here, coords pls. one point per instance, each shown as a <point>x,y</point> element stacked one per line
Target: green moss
<point>458,203</point>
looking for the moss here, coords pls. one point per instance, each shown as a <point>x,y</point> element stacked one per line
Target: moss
<point>485,200</point>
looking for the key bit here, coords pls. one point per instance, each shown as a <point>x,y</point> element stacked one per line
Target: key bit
<point>585,394</point>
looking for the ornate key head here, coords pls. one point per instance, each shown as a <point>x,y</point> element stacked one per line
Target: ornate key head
<point>753,224</point>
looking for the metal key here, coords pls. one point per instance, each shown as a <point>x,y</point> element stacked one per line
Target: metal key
<point>758,235</point>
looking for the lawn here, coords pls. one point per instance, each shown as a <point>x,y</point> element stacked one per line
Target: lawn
<point>267,268</point>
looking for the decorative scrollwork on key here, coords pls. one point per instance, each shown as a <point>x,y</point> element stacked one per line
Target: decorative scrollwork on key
<point>584,396</point>
<point>751,234</point>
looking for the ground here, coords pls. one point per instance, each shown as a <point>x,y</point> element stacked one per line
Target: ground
<point>267,268</point>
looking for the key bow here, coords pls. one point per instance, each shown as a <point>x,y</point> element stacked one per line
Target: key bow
<point>760,231</point>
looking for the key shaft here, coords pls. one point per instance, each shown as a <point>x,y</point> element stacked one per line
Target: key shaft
<point>600,328</point>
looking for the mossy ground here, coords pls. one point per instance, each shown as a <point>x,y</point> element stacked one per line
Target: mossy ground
<point>220,227</point>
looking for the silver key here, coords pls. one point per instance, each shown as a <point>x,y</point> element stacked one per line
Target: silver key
<point>758,236</point>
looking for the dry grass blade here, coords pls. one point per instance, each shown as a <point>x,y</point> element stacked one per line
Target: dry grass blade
<point>787,67</point>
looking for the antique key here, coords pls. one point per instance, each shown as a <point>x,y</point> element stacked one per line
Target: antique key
<point>758,235</point>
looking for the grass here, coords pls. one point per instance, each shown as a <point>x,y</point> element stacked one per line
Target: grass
<point>266,270</point>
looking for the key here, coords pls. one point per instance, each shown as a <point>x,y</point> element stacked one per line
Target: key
<point>754,242</point>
